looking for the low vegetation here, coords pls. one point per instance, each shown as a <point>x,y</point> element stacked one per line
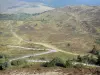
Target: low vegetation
<point>3,62</point>
<point>55,62</point>
<point>18,62</point>
<point>22,16</point>
<point>89,59</point>
<point>95,51</point>
<point>97,41</point>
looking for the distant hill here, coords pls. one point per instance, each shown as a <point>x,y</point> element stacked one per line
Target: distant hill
<point>21,16</point>
<point>25,7</point>
<point>80,19</point>
<point>75,25</point>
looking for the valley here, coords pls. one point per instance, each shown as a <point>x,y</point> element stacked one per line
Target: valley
<point>62,33</point>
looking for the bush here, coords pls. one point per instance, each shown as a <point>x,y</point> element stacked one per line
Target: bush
<point>68,63</point>
<point>18,62</point>
<point>87,59</point>
<point>98,60</point>
<point>4,65</point>
<point>3,62</point>
<point>95,51</point>
<point>55,62</point>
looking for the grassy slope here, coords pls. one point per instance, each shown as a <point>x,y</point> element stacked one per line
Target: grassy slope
<point>7,38</point>
<point>58,27</point>
<point>62,26</point>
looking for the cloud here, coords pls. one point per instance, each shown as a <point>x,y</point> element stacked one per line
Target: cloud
<point>18,6</point>
<point>4,4</point>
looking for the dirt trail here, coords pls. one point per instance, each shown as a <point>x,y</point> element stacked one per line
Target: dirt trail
<point>37,54</point>
<point>26,48</point>
<point>52,47</point>
<point>37,60</point>
<point>89,65</point>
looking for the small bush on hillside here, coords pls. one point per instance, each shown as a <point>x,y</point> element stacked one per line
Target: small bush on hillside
<point>18,62</point>
<point>55,62</point>
<point>97,41</point>
<point>98,60</point>
<point>4,65</point>
<point>3,62</point>
<point>69,63</point>
<point>95,51</point>
<point>87,59</point>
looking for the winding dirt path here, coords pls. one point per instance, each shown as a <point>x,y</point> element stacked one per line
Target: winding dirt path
<point>37,54</point>
<point>52,47</point>
<point>26,48</point>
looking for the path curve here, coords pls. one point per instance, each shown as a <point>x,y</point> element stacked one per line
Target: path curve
<point>37,54</point>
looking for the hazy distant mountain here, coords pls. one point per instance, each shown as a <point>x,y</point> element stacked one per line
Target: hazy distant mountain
<point>38,6</point>
<point>13,7</point>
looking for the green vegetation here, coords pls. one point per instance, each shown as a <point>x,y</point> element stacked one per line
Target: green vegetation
<point>60,63</point>
<point>22,16</point>
<point>55,62</point>
<point>18,62</point>
<point>95,51</point>
<point>50,56</point>
<point>88,59</point>
<point>3,62</point>
<point>97,41</point>
<point>68,63</point>
<point>62,30</point>
<point>98,60</point>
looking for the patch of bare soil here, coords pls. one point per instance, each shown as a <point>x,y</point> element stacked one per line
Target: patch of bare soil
<point>51,71</point>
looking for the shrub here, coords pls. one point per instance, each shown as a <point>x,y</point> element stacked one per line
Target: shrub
<point>97,41</point>
<point>4,65</point>
<point>98,60</point>
<point>79,59</point>
<point>95,51</point>
<point>87,59</point>
<point>55,62</point>
<point>18,62</point>
<point>69,63</point>
<point>3,62</point>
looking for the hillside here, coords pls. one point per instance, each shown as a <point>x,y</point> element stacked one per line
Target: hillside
<point>72,28</point>
<point>77,26</point>
<point>61,39</point>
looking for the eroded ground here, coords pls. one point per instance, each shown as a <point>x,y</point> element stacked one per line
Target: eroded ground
<point>51,71</point>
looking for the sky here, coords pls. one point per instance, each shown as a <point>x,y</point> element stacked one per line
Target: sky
<point>48,4</point>
<point>61,3</point>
